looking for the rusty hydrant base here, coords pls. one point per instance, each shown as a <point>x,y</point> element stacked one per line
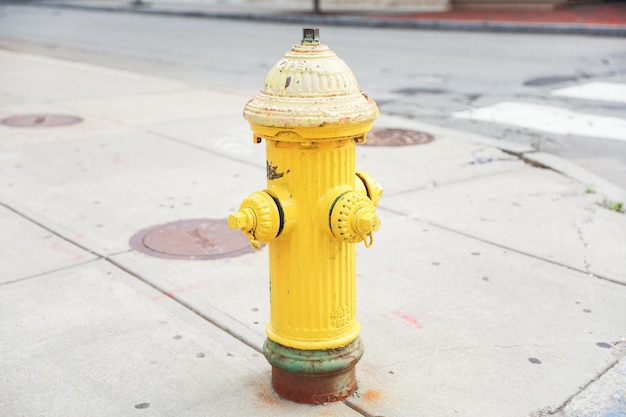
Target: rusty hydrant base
<point>313,376</point>
<point>314,389</point>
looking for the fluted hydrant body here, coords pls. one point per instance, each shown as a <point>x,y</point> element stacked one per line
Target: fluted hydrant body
<point>311,114</point>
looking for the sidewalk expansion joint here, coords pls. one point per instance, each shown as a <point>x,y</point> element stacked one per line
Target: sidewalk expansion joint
<point>108,259</point>
<point>186,305</point>
<point>200,148</point>
<point>489,242</point>
<point>51,271</point>
<point>43,226</point>
<point>583,271</point>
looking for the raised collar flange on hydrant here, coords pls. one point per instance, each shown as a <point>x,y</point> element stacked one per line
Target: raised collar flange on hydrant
<point>311,113</point>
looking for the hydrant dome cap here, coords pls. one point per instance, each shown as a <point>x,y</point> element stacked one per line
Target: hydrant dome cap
<point>310,87</point>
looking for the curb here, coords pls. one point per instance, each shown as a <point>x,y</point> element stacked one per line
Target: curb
<point>357,21</point>
<point>527,153</point>
<point>596,183</point>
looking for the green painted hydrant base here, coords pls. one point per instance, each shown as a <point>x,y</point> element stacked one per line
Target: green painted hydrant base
<point>313,376</point>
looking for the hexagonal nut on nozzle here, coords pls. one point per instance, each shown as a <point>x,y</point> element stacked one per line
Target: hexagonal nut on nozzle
<point>366,221</point>
<point>243,220</point>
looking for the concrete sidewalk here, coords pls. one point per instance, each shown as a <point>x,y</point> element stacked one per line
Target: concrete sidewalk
<point>494,288</point>
<point>604,19</point>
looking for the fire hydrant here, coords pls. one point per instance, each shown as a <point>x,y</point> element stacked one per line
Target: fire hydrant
<point>311,113</point>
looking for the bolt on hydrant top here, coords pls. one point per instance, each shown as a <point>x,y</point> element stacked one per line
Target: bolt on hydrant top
<point>310,36</point>
<point>311,89</point>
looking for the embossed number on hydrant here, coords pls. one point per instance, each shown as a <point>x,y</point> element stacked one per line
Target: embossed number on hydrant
<point>341,317</point>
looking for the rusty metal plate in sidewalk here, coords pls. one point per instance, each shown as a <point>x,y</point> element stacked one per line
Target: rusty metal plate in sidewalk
<point>397,137</point>
<point>40,120</point>
<point>191,239</point>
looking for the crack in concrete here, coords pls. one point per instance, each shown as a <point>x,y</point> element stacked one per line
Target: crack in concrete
<point>581,237</point>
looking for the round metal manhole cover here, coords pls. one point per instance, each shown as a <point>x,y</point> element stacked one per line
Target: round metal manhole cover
<point>40,120</point>
<point>397,137</point>
<point>191,239</point>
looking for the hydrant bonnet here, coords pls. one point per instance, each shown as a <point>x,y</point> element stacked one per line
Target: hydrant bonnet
<point>311,87</point>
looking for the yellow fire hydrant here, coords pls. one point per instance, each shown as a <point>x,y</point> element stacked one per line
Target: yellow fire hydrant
<point>311,113</point>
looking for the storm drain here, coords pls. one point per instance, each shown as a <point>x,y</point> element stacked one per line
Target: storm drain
<point>191,239</point>
<point>40,120</point>
<point>397,137</point>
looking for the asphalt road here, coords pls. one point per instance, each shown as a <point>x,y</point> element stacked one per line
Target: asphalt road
<point>416,74</point>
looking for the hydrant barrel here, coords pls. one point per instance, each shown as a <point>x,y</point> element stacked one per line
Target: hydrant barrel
<point>313,298</point>
<point>311,113</point>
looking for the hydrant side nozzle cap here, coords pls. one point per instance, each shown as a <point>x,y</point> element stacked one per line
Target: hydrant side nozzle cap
<point>353,218</point>
<point>372,187</point>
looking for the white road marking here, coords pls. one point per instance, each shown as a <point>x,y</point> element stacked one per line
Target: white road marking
<point>595,91</point>
<point>549,119</point>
